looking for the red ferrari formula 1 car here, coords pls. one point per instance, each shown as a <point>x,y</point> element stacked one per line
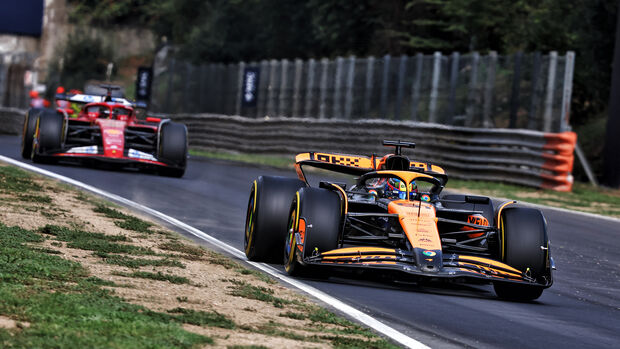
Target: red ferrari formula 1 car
<point>105,129</point>
<point>392,220</point>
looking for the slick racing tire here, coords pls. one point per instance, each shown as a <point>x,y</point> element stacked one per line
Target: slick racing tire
<point>267,214</point>
<point>48,135</point>
<point>30,123</point>
<point>524,245</point>
<point>173,148</point>
<point>314,225</point>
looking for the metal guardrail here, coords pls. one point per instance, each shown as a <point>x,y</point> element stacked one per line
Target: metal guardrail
<point>11,120</point>
<point>531,158</point>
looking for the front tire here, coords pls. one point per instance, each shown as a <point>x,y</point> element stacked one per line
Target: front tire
<point>267,213</point>
<point>173,148</point>
<point>524,245</point>
<point>316,217</point>
<point>30,123</point>
<point>48,135</point>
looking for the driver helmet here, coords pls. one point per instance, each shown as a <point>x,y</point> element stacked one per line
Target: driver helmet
<point>396,188</point>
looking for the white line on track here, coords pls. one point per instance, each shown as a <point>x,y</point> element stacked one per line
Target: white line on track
<point>335,303</point>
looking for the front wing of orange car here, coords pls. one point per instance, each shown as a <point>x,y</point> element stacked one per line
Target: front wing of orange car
<point>450,265</point>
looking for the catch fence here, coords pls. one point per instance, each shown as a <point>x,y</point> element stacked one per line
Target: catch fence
<point>524,90</point>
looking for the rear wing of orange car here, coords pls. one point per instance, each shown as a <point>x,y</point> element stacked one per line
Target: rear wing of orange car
<point>358,165</point>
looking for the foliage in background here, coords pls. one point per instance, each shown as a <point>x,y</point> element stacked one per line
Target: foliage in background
<point>81,59</point>
<point>105,12</point>
<point>235,30</point>
<point>250,30</point>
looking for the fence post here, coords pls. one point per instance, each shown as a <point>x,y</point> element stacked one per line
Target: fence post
<point>3,80</point>
<point>514,96</point>
<point>432,110</point>
<point>454,75</point>
<point>553,62</point>
<point>210,94</point>
<point>348,102</point>
<point>283,96</point>
<point>272,88</point>
<point>402,72</point>
<point>310,87</point>
<point>568,91</point>
<point>202,88</point>
<point>532,123</point>
<point>170,88</point>
<point>239,88</point>
<point>263,88</point>
<point>415,89</point>
<point>384,85</point>
<point>488,90</point>
<point>370,66</point>
<point>337,109</point>
<point>299,64</point>
<point>323,88</point>
<point>470,110</point>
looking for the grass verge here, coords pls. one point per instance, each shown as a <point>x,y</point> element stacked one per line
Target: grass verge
<point>56,294</point>
<point>59,305</point>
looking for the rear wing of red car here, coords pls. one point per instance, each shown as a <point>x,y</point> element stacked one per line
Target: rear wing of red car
<point>82,99</point>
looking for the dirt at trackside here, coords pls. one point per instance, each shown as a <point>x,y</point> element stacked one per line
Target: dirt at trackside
<point>263,312</point>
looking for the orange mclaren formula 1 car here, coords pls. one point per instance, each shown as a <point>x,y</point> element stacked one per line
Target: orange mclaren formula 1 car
<point>392,219</point>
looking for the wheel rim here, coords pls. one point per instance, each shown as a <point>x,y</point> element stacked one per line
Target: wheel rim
<point>290,245</point>
<point>250,222</point>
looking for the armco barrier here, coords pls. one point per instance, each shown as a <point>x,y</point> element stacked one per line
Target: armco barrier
<point>11,120</point>
<point>532,158</point>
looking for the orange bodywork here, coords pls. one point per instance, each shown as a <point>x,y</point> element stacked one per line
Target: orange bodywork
<point>363,255</point>
<point>418,222</point>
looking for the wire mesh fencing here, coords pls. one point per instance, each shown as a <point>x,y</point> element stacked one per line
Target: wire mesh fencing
<point>524,90</point>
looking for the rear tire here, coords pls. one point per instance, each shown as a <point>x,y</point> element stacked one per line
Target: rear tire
<point>173,148</point>
<point>267,214</point>
<point>524,245</point>
<point>48,135</point>
<point>30,123</point>
<point>320,210</point>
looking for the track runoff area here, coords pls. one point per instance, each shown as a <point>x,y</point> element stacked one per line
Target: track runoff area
<point>351,312</point>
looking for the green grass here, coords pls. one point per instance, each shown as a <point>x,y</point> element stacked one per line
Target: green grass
<point>134,263</point>
<point>584,197</point>
<point>39,199</point>
<point>190,252</point>
<point>340,342</point>
<point>159,276</point>
<point>202,318</point>
<point>293,315</point>
<point>219,259</point>
<point>16,181</point>
<point>256,159</point>
<point>245,290</point>
<point>100,243</point>
<point>67,308</point>
<point>124,221</point>
<point>275,329</point>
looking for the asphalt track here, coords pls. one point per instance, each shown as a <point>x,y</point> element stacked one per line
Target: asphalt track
<point>581,310</point>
